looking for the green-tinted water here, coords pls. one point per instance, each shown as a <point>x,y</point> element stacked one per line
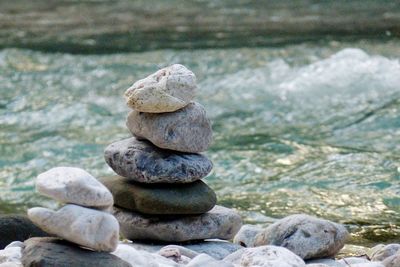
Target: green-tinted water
<point>311,128</point>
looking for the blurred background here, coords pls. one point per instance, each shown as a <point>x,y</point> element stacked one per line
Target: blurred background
<point>304,97</point>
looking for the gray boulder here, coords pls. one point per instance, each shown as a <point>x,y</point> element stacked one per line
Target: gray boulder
<point>306,236</point>
<point>143,162</point>
<point>48,252</point>
<point>220,222</point>
<point>186,130</point>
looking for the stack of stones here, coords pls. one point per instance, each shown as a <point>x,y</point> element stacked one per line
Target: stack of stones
<point>84,219</point>
<point>159,194</point>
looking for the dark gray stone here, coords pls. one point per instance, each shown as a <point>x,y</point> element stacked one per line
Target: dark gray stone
<point>17,228</point>
<point>185,130</point>
<point>51,252</point>
<point>189,198</point>
<point>143,162</point>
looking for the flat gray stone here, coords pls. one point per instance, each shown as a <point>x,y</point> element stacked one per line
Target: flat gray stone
<point>220,222</point>
<point>90,228</point>
<point>75,186</point>
<point>141,161</point>
<point>265,256</point>
<point>186,130</point>
<point>48,252</point>
<point>166,90</point>
<point>166,199</point>
<point>203,260</point>
<point>306,236</point>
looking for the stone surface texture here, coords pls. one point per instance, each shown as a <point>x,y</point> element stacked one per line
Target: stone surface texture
<point>192,198</point>
<point>204,260</point>
<point>306,236</point>
<point>47,252</point>
<point>247,235</point>
<point>220,222</point>
<point>141,161</point>
<point>142,258</point>
<point>90,228</point>
<point>392,261</point>
<point>186,130</point>
<point>166,90</point>
<point>75,186</point>
<point>381,252</point>
<point>265,256</point>
<point>17,228</point>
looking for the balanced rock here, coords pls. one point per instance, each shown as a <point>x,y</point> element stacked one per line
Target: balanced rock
<point>75,186</point>
<point>306,236</point>
<point>90,228</point>
<point>265,256</point>
<point>166,90</point>
<point>17,228</point>
<point>143,162</point>
<point>191,198</point>
<point>220,222</point>
<point>186,130</point>
<point>45,252</point>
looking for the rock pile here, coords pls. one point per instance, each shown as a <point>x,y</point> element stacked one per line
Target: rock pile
<point>82,220</point>
<point>158,192</point>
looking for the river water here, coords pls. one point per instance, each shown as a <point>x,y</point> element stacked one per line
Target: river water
<point>306,128</point>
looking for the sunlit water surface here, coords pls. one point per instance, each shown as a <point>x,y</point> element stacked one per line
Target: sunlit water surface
<point>311,128</point>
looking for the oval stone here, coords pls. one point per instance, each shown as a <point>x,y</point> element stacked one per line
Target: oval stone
<point>220,222</point>
<point>141,161</point>
<point>186,130</point>
<point>166,90</point>
<point>191,198</point>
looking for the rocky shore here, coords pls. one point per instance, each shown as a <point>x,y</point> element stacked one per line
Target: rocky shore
<point>160,204</point>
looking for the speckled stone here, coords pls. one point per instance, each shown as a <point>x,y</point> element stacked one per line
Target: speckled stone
<point>90,228</point>
<point>186,130</point>
<point>220,222</point>
<point>191,198</point>
<point>166,90</point>
<point>306,236</point>
<point>141,161</point>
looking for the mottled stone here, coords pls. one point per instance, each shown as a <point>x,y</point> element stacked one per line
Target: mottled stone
<point>17,228</point>
<point>75,186</point>
<point>141,161</point>
<point>48,252</point>
<point>306,236</point>
<point>247,235</point>
<point>381,252</point>
<point>265,256</point>
<point>191,198</point>
<point>220,222</point>
<point>94,229</point>
<point>141,258</point>
<point>186,130</point>
<point>11,254</point>
<point>166,90</point>
<point>216,249</point>
<point>392,261</point>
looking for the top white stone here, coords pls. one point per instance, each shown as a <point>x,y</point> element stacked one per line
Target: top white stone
<point>166,90</point>
<point>75,186</point>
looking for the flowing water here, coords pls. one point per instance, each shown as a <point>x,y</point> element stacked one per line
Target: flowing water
<point>312,127</point>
